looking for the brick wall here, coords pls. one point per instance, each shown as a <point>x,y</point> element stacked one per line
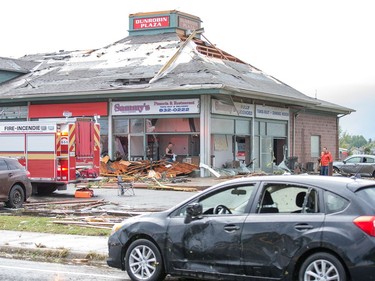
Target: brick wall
<point>313,124</point>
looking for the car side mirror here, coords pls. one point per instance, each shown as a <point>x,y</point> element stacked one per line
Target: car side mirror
<point>344,162</point>
<point>193,211</point>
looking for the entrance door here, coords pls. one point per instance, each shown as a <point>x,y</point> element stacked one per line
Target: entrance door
<point>278,150</point>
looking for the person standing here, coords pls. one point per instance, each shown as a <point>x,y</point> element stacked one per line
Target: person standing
<point>169,155</point>
<point>325,159</point>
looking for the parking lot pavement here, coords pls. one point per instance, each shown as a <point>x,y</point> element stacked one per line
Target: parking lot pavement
<point>145,198</point>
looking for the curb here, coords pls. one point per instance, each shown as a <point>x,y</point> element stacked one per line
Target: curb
<point>64,255</point>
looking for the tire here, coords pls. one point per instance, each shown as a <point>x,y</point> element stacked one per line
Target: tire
<point>322,266</point>
<point>336,170</point>
<point>16,197</point>
<point>143,261</point>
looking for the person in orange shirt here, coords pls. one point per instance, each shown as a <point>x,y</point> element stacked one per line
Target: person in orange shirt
<point>325,159</point>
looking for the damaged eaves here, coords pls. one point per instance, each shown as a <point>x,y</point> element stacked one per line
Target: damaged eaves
<point>134,81</point>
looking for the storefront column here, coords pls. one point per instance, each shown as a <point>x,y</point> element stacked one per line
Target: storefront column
<point>205,134</point>
<point>110,132</point>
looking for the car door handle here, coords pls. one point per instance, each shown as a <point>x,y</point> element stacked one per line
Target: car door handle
<point>231,227</point>
<point>303,227</point>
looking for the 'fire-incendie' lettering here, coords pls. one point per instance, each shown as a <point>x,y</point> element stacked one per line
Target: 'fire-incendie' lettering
<point>25,128</point>
<point>22,128</point>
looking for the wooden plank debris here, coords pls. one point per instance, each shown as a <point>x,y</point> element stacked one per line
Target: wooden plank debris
<point>143,167</point>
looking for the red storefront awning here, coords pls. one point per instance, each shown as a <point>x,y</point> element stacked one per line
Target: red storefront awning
<point>77,109</point>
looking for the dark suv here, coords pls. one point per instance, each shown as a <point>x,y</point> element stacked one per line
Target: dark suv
<point>15,185</point>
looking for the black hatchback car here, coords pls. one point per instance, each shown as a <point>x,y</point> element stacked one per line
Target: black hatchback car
<point>15,185</point>
<point>295,227</point>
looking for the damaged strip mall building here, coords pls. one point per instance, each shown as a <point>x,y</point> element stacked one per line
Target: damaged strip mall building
<point>166,82</point>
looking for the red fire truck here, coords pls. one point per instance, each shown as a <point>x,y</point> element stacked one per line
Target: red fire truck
<point>55,153</point>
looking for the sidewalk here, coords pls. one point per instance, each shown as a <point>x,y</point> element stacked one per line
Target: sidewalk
<point>75,246</point>
<point>92,249</point>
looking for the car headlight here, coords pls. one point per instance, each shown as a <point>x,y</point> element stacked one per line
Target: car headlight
<point>116,227</point>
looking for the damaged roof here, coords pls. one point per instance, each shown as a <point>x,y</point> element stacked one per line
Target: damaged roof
<point>16,65</point>
<point>133,65</point>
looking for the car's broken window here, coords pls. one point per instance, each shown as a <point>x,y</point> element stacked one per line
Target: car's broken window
<point>234,199</point>
<point>334,203</point>
<point>287,198</point>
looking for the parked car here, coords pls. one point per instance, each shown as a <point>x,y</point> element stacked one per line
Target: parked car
<point>287,227</point>
<point>15,185</point>
<point>363,165</point>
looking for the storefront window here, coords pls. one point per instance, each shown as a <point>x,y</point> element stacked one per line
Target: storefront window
<point>276,129</point>
<point>243,127</point>
<point>262,128</point>
<point>121,126</point>
<point>103,135</point>
<point>136,126</point>
<point>120,145</point>
<point>166,125</point>
<point>221,149</point>
<point>136,148</point>
<point>256,128</point>
<point>267,154</point>
<point>222,126</point>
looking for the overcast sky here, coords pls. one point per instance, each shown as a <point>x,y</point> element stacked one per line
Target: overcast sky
<point>323,48</point>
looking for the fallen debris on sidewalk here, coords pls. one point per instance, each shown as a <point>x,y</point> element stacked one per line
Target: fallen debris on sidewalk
<point>143,167</point>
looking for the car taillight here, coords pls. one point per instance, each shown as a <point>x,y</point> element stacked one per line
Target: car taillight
<point>366,223</point>
<point>28,174</point>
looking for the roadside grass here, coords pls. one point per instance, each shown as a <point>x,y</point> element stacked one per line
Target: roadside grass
<point>45,225</point>
<point>61,255</point>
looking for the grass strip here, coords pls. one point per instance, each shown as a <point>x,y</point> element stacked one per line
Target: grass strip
<point>45,225</point>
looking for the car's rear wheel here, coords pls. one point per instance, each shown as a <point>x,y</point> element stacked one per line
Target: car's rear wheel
<point>143,261</point>
<point>322,266</point>
<point>16,197</point>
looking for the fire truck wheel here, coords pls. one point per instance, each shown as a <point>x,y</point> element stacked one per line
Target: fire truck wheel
<point>16,197</point>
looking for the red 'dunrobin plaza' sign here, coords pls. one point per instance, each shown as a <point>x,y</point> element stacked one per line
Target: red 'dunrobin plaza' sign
<point>154,22</point>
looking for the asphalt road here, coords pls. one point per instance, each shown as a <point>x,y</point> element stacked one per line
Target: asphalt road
<point>22,270</point>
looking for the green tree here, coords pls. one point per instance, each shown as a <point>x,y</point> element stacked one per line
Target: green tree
<point>345,140</point>
<point>358,141</point>
<point>349,141</point>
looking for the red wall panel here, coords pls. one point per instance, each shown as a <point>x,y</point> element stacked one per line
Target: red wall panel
<point>77,109</point>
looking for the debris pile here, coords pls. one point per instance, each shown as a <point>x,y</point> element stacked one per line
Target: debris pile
<point>63,207</point>
<point>84,213</point>
<point>154,169</point>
